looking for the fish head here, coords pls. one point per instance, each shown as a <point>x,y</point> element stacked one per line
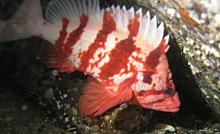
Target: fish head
<point>155,89</point>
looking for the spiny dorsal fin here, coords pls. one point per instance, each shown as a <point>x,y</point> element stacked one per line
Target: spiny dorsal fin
<point>148,28</point>
<point>72,9</point>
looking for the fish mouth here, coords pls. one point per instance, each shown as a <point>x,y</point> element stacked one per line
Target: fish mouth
<point>163,108</point>
<point>170,108</point>
<point>168,105</point>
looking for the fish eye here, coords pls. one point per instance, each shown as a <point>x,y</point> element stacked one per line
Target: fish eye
<point>168,91</point>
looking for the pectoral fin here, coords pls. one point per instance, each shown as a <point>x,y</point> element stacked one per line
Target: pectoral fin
<point>97,98</point>
<point>56,59</point>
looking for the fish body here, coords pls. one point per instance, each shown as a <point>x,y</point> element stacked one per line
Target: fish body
<point>123,51</point>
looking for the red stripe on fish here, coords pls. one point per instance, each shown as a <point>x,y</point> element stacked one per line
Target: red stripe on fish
<point>152,59</point>
<point>75,35</point>
<point>133,26</point>
<point>57,56</point>
<point>108,26</point>
<point>59,43</point>
<point>147,77</point>
<point>66,46</point>
<point>120,54</point>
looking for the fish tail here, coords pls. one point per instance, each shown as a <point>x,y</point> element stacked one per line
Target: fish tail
<point>25,23</point>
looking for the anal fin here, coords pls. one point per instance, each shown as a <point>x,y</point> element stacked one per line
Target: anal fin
<point>97,98</point>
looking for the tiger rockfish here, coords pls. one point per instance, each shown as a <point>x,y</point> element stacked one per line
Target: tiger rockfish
<point>122,50</point>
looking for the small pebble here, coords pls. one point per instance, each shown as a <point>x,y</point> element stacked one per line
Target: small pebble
<point>71,130</point>
<point>95,128</point>
<point>67,106</point>
<point>171,11</point>
<point>66,119</point>
<point>38,57</point>
<point>179,129</point>
<point>49,93</point>
<point>74,111</point>
<point>54,72</point>
<point>8,119</point>
<point>65,95</point>
<point>107,117</point>
<point>24,107</point>
<point>164,128</point>
<point>217,18</point>
<point>203,131</point>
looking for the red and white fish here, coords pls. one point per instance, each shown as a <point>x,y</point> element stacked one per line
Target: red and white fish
<point>124,51</point>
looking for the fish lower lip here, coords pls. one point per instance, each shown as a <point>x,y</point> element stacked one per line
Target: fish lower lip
<point>172,110</point>
<point>168,108</point>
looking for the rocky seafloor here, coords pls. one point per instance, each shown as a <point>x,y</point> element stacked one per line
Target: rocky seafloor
<point>38,100</point>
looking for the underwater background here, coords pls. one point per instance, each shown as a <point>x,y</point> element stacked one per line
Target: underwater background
<point>38,100</point>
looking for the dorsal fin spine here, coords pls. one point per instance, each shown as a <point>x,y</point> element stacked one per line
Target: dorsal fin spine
<point>166,38</point>
<point>158,35</point>
<point>146,23</point>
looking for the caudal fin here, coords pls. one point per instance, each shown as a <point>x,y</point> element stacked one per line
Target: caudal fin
<point>24,23</point>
